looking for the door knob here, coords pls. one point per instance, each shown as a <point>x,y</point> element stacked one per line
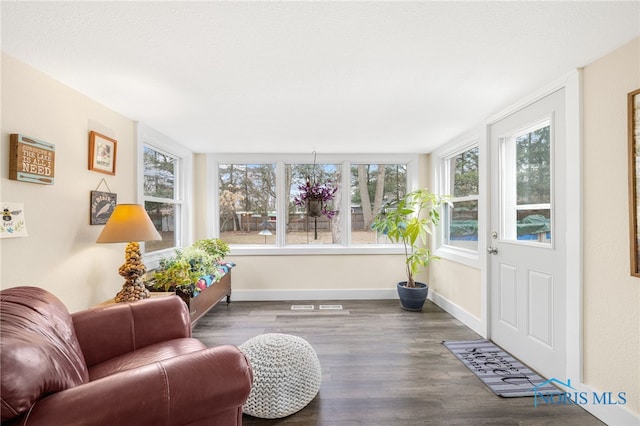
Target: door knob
<point>492,250</point>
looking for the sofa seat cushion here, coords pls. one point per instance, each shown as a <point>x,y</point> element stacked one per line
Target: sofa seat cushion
<point>147,355</point>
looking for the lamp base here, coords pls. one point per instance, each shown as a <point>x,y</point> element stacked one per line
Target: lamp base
<point>132,292</point>
<point>132,270</point>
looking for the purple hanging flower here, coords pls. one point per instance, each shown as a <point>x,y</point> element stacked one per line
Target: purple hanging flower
<point>322,192</point>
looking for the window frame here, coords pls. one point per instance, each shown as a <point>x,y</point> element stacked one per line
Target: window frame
<point>182,188</point>
<point>280,248</point>
<point>441,159</point>
<point>508,191</point>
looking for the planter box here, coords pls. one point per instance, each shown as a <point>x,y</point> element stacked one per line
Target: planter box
<point>206,293</point>
<point>208,298</point>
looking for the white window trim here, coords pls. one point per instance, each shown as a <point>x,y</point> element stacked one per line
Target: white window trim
<point>439,159</point>
<point>148,136</point>
<point>345,160</point>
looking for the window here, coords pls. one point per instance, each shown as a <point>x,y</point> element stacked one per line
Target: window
<point>303,226</point>
<point>458,171</point>
<point>372,186</point>
<point>461,216</point>
<point>161,199</point>
<point>247,203</point>
<point>258,205</point>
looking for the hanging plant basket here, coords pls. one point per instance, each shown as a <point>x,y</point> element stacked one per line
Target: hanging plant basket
<point>314,207</point>
<point>314,197</point>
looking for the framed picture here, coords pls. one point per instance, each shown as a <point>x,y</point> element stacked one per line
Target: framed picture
<point>633,103</point>
<point>102,205</point>
<point>102,153</point>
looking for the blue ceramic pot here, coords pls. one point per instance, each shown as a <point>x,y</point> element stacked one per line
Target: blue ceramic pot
<point>412,299</point>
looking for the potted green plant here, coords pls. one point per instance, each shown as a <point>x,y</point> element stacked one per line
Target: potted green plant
<point>184,269</point>
<point>409,221</point>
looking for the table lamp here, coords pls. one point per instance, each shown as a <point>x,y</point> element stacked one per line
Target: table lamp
<point>130,223</point>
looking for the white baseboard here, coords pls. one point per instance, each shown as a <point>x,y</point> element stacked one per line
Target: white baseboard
<point>456,311</point>
<point>617,415</point>
<point>333,294</point>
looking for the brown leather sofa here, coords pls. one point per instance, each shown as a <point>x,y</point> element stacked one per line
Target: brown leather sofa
<point>121,364</point>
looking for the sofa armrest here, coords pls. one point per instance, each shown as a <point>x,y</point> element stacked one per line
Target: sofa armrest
<point>187,389</point>
<point>109,331</point>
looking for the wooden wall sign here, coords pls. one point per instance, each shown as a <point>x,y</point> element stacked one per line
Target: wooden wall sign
<point>102,205</point>
<point>31,160</point>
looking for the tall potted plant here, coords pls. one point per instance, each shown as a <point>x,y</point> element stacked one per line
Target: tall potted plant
<point>409,220</point>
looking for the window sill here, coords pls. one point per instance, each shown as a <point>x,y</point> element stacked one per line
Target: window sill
<point>466,257</point>
<point>313,250</point>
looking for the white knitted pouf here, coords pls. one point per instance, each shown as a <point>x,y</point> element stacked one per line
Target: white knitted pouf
<point>286,375</point>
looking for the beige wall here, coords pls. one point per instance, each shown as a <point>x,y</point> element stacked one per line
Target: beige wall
<point>611,295</point>
<point>459,284</point>
<point>60,253</point>
<point>317,273</point>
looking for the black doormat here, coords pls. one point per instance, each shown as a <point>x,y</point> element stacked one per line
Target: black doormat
<point>502,373</point>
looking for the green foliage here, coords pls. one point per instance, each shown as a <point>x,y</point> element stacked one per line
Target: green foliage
<point>533,160</point>
<point>215,247</point>
<point>408,220</point>
<point>172,273</point>
<point>190,263</point>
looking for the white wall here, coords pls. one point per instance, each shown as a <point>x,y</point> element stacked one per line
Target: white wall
<point>60,253</point>
<point>611,294</point>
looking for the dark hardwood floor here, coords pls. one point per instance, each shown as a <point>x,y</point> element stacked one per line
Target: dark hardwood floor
<point>382,366</point>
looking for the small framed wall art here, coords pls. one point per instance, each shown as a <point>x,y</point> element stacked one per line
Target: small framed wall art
<point>13,223</point>
<point>102,205</point>
<point>102,153</point>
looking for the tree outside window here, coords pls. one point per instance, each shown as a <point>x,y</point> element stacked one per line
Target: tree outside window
<point>247,199</point>
<point>372,186</point>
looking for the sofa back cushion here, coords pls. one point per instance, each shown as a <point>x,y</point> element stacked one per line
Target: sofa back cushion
<point>40,351</point>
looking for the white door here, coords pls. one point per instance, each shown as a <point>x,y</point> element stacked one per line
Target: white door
<point>527,247</point>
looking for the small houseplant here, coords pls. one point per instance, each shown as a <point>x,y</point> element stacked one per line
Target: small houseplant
<point>408,220</point>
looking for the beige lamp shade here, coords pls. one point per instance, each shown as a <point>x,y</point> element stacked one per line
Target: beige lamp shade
<point>128,222</point>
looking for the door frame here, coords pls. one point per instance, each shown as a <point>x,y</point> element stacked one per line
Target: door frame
<point>572,84</point>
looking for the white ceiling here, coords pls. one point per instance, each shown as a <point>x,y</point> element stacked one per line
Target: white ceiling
<point>371,77</point>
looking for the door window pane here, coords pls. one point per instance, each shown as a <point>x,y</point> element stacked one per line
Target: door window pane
<point>247,196</point>
<point>527,209</point>
<point>533,167</point>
